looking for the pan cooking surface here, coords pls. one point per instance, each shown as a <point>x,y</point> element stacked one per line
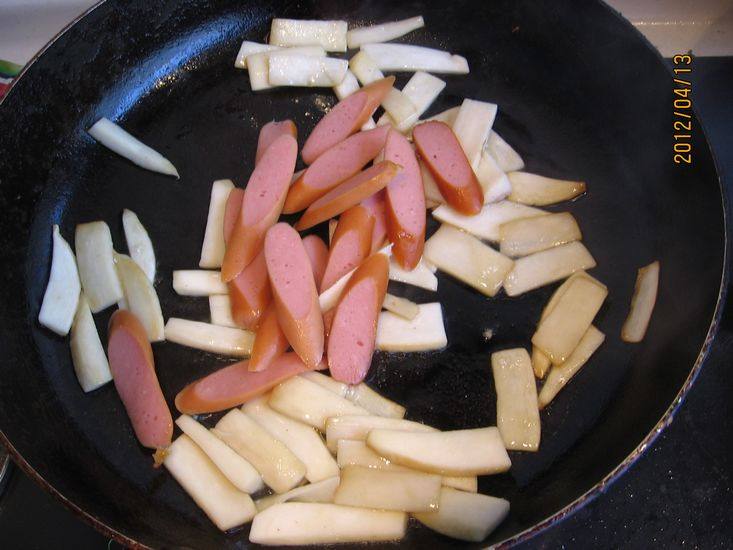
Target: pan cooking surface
<point>581,96</point>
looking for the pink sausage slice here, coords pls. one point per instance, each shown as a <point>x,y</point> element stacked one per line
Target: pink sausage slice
<point>351,244</point>
<point>133,371</point>
<point>270,342</point>
<point>270,132</point>
<point>405,201</point>
<point>377,207</point>
<point>249,293</point>
<point>318,255</point>
<point>231,211</point>
<point>261,206</point>
<point>347,116</point>
<point>337,164</point>
<point>354,327</point>
<point>294,290</point>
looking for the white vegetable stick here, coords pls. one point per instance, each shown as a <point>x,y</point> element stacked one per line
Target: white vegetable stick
<point>472,126</point>
<point>140,297</point>
<point>321,491</point>
<point>226,506</point>
<point>432,193</point>
<point>302,440</point>
<point>561,374</point>
<point>369,125</point>
<point>300,32</point>
<point>358,427</point>
<point>95,260</point>
<point>485,224</point>
<point>540,362</point>
<point>642,304</point>
<point>234,467</point>
<point>298,523</point>
<point>307,402</point>
<point>505,156</point>
<point>118,140</point>
<point>403,57</point>
<point>280,468</point>
<point>250,48</point>
<point>423,333</point>
<point>198,282</point>
<point>467,259</point>
<point>62,291</point>
<point>138,243</point>
<point>221,311</point>
<point>422,89</point>
<point>465,516</point>
<point>421,276</point>
<point>204,336</point>
<point>259,64</point>
<point>400,306</point>
<point>87,354</point>
<point>383,32</point>
<point>212,249</point>
<point>448,116</point>
<point>517,415</point>
<point>359,394</point>
<point>530,235</point>
<point>494,183</point>
<point>303,70</point>
<point>542,268</point>
<point>540,191</point>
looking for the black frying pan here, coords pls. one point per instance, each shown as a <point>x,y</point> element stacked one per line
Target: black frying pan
<point>581,95</point>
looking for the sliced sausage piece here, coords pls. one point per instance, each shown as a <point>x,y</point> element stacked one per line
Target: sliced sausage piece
<point>249,293</point>
<point>294,290</point>
<point>354,327</point>
<point>133,371</point>
<point>270,132</point>
<point>442,153</point>
<point>270,342</point>
<point>376,205</point>
<point>348,194</point>
<point>235,384</point>
<point>338,164</point>
<point>346,117</point>
<point>318,255</point>
<point>351,244</point>
<point>405,201</point>
<point>231,211</point>
<point>261,206</point>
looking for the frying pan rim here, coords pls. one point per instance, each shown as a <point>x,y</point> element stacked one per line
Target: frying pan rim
<point>554,518</point>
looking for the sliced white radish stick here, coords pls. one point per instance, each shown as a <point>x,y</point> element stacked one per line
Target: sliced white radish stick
<point>492,179</point>
<point>405,491</point>
<point>448,116</point>
<point>540,362</point>
<point>87,354</point>
<point>559,333</point>
<point>540,191</point>
<point>383,32</point>
<point>530,235</point>
<point>302,440</point>
<point>321,491</point>
<point>359,394</point>
<point>517,415</point>
<point>62,291</point>
<point>204,336</point>
<point>548,266</point>
<point>432,193</point>
<point>503,153</point>
<point>403,57</point>
<point>198,282</point>
<point>221,311</point>
<point>138,243</point>
<point>642,304</point>
<point>95,260</point>
<point>331,35</point>
<point>118,140</point>
<point>303,70</point>
<point>472,126</point>
<point>401,306</point>
<point>235,468</point>
<point>140,297</point>
<point>561,374</point>
<point>461,452</point>
<point>421,276</point>
<point>259,64</point>
<point>280,468</point>
<point>422,89</point>
<point>307,402</point>
<point>465,516</point>
<point>226,506</point>
<point>423,333</point>
<point>358,427</point>
<point>212,250</point>
<point>467,259</point>
<point>250,48</point>
<point>298,523</point>
<point>485,224</point>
